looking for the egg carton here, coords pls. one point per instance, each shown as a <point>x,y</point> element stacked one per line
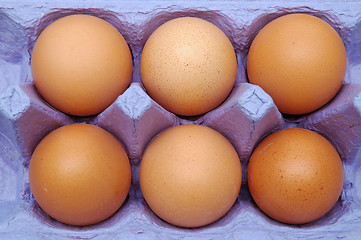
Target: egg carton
<point>246,116</point>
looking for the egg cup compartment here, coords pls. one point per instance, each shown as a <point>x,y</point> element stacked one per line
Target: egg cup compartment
<point>247,116</point>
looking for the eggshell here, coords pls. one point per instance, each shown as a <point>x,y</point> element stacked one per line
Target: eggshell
<point>188,65</point>
<point>295,175</point>
<point>80,64</point>
<point>135,118</point>
<point>190,175</point>
<point>299,60</point>
<point>79,174</point>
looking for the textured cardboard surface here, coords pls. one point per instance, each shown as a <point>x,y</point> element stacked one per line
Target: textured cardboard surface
<point>134,118</point>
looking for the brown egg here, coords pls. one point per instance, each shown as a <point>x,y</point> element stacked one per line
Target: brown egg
<point>79,174</point>
<point>81,64</point>
<point>190,175</point>
<point>295,176</point>
<point>299,60</point>
<point>188,66</point>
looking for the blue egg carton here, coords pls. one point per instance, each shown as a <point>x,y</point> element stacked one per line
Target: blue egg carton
<point>247,116</point>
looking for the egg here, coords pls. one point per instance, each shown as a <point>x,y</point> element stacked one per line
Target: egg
<point>190,175</point>
<point>80,64</point>
<point>295,176</point>
<point>188,65</point>
<point>79,174</point>
<point>299,60</point>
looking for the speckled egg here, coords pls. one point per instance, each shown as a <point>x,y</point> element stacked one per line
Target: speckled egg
<point>188,66</point>
<point>295,175</point>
